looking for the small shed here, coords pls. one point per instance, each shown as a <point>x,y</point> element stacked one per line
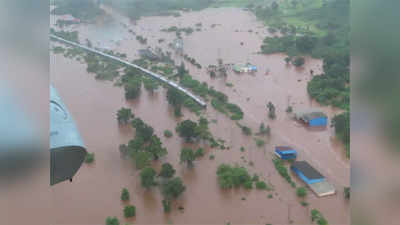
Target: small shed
<point>314,118</point>
<point>306,172</point>
<point>244,68</point>
<point>285,152</point>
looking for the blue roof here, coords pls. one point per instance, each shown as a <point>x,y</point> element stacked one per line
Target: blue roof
<point>286,152</point>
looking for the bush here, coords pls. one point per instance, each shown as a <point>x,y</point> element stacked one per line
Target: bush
<point>166,205</point>
<point>125,195</point>
<point>212,157</point>
<point>289,109</point>
<point>229,176</point>
<point>261,185</point>
<point>347,192</point>
<point>129,211</point>
<point>282,170</point>
<point>112,221</point>
<point>260,142</point>
<point>248,185</point>
<point>298,61</point>
<point>147,176</point>
<point>89,157</point>
<point>199,152</point>
<point>301,192</point>
<point>242,149</point>
<point>168,133</point>
<point>167,171</point>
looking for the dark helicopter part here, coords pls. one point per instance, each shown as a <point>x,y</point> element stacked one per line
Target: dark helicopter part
<point>67,151</point>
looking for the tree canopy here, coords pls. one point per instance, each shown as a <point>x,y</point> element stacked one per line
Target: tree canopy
<point>167,171</point>
<point>147,176</point>
<point>173,188</point>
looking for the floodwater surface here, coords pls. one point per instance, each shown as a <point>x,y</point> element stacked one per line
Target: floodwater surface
<point>95,192</point>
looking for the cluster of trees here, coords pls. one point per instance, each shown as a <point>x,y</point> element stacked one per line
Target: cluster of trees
<point>235,176</point>
<point>145,146</point>
<point>85,10</point>
<point>316,216</point>
<point>283,171</point>
<point>190,130</point>
<point>192,61</point>
<point>136,9</point>
<point>68,35</point>
<point>188,155</point>
<point>124,115</point>
<point>341,123</point>
<point>141,39</point>
<point>332,87</point>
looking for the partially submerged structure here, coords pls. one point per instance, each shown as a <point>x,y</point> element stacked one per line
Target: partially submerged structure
<point>314,180</point>
<point>285,152</point>
<point>313,117</point>
<point>244,68</point>
<point>177,44</point>
<point>67,151</point>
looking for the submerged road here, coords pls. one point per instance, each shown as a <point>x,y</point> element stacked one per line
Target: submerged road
<point>155,75</point>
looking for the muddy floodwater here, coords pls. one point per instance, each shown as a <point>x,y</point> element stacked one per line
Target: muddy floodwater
<point>95,192</point>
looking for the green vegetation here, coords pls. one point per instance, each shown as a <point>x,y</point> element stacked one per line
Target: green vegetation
<point>166,205</point>
<point>229,176</point>
<point>68,35</point>
<point>282,170</point>
<point>245,130</point>
<point>125,195</point>
<point>271,110</point>
<point>301,192</point>
<point>347,192</point>
<point>173,188</point>
<point>89,158</point>
<point>141,39</point>
<point>303,203</point>
<point>264,130</point>
<point>187,156</point>
<point>317,216</point>
<point>259,142</point>
<point>242,149</point>
<point>147,176</point>
<point>212,157</point>
<point>270,196</point>
<point>150,84</point>
<point>187,129</point>
<point>85,10</point>
<point>168,133</point>
<point>299,61</point>
<point>261,185</point>
<point>289,109</point>
<point>112,221</point>
<point>192,61</point>
<point>124,115</point>
<point>129,211</point>
<point>137,8</point>
<point>167,171</point>
<point>341,123</point>
<point>199,153</point>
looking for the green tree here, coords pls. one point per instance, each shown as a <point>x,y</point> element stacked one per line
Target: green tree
<point>125,195</point>
<point>187,156</point>
<point>288,60</point>
<point>141,159</point>
<point>306,43</point>
<point>166,205</point>
<point>150,84</point>
<point>175,97</point>
<point>299,61</point>
<point>301,192</point>
<point>168,133</point>
<point>89,157</point>
<point>181,70</point>
<point>347,192</point>
<point>147,176</point>
<point>155,147</point>
<point>129,211</point>
<point>187,129</point>
<point>173,188</point>
<point>261,185</point>
<point>112,221</point>
<point>133,88</point>
<point>199,153</point>
<point>271,110</point>
<point>167,171</point>
<point>341,123</point>
<point>124,115</point>
<point>274,6</point>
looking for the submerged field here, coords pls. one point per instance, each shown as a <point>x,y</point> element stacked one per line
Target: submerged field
<point>235,36</point>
